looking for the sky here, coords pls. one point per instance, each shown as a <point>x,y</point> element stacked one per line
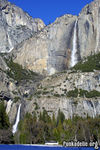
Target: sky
<point>49,10</point>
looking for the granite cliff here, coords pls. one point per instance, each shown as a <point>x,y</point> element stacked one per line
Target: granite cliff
<point>15,26</point>
<point>28,49</point>
<point>51,49</point>
<point>74,92</point>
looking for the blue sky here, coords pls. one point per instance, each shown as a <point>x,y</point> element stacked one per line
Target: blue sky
<point>49,10</point>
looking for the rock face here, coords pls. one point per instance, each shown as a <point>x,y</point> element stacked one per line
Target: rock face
<point>88,29</point>
<point>47,50</point>
<point>15,26</point>
<point>52,95</point>
<point>50,50</point>
<point>14,92</point>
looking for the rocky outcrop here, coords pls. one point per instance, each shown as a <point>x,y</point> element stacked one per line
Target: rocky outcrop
<point>15,26</point>
<point>71,107</point>
<point>51,49</point>
<point>88,29</point>
<point>13,92</point>
<point>73,93</point>
<point>52,95</point>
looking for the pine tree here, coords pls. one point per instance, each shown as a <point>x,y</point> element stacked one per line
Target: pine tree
<point>4,120</point>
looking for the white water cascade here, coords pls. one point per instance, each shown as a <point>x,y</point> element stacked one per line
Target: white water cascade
<point>74,51</point>
<point>15,126</point>
<point>71,113</point>
<point>94,110</point>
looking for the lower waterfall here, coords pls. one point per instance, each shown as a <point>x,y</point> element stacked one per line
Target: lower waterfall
<point>15,126</point>
<point>94,110</point>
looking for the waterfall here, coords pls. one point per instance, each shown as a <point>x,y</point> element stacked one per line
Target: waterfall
<point>15,126</point>
<point>9,103</point>
<point>10,44</point>
<point>71,110</point>
<point>94,109</point>
<point>74,50</point>
<point>71,116</point>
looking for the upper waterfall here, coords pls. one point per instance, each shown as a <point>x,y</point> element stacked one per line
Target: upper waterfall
<point>15,126</point>
<point>74,50</point>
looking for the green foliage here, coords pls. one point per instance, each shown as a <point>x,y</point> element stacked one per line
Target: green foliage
<point>25,126</point>
<point>24,138</point>
<point>90,94</point>
<point>30,131</point>
<point>73,93</point>
<point>6,136</point>
<point>60,117</point>
<point>36,106</point>
<point>83,93</point>
<point>4,121</point>
<point>17,72</point>
<point>45,92</point>
<point>56,95</point>
<point>33,130</point>
<point>16,99</point>
<point>90,63</point>
<point>45,117</point>
<point>93,93</point>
